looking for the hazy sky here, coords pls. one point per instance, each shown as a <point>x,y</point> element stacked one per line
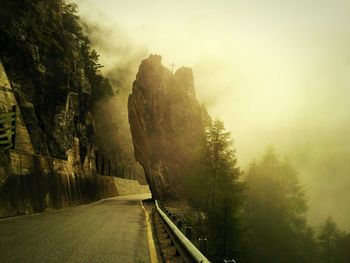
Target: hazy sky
<point>277,72</point>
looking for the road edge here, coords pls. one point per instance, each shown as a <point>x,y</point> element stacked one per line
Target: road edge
<point>151,247</point>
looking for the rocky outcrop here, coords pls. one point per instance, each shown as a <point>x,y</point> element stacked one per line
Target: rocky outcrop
<point>52,72</point>
<point>51,76</point>
<point>55,76</point>
<point>166,125</point>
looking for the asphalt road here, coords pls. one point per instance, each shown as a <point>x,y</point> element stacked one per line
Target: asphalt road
<point>110,230</point>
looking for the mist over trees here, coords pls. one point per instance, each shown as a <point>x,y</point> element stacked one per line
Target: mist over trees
<point>276,212</point>
<point>218,192</point>
<point>258,215</point>
<point>333,244</point>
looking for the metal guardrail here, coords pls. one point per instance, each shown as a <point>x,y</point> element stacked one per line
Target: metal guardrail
<point>184,246</point>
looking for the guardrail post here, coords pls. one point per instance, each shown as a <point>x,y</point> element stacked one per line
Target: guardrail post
<point>188,232</point>
<point>188,251</point>
<point>203,245</point>
<point>179,223</point>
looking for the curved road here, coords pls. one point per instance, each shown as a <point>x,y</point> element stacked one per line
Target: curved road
<point>110,230</point>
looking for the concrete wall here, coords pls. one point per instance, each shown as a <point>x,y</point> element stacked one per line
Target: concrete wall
<point>128,187</point>
<point>36,183</point>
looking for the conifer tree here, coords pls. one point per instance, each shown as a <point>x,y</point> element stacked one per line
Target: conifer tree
<point>276,213</point>
<point>329,238</point>
<point>216,190</point>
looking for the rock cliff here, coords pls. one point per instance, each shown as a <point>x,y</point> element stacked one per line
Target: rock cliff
<point>62,94</point>
<point>166,125</point>
<point>50,66</point>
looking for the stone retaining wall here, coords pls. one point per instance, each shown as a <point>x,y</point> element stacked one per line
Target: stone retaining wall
<point>31,184</point>
<point>128,187</point>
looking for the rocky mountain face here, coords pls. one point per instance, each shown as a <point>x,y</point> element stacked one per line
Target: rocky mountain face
<point>62,94</point>
<point>42,50</point>
<point>166,125</point>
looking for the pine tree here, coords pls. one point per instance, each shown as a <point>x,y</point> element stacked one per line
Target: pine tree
<point>222,160</point>
<point>214,188</point>
<point>329,238</point>
<point>276,212</point>
<point>224,194</point>
<point>344,248</point>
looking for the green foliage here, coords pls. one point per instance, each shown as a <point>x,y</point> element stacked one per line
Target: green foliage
<point>222,159</point>
<point>329,241</point>
<point>71,21</point>
<point>34,34</point>
<point>344,248</point>
<point>276,213</point>
<point>214,188</point>
<point>102,86</point>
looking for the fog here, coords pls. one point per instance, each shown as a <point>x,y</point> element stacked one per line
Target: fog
<point>119,60</point>
<point>276,72</point>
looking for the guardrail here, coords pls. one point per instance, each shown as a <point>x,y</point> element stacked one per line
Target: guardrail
<point>184,246</point>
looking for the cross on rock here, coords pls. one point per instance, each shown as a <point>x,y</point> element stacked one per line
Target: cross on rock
<point>172,67</point>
